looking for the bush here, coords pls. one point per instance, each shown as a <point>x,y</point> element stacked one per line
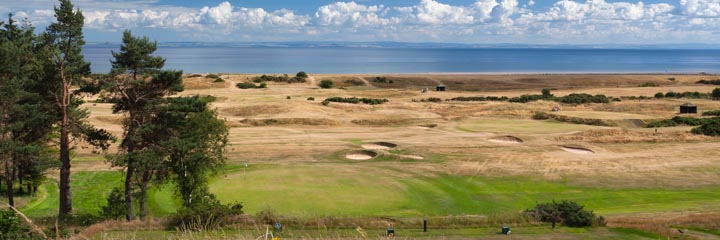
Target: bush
<point>567,213</point>
<point>311,99</point>
<point>301,74</point>
<point>115,207</point>
<point>281,78</point>
<point>208,214</point>
<point>716,93</point>
<point>431,99</point>
<point>659,95</point>
<point>526,98</point>
<point>325,103</point>
<point>219,80</point>
<point>710,82</point>
<point>212,76</point>
<point>546,93</point>
<point>354,100</point>
<point>263,85</point>
<point>479,99</point>
<point>678,120</point>
<point>711,128</point>
<point>11,226</point>
<point>249,85</point>
<point>194,76</point>
<point>354,82</point>
<point>326,84</point>
<point>582,98</point>
<point>649,84</point>
<point>382,80</point>
<point>712,113</point>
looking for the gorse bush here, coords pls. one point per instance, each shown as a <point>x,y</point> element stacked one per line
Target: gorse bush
<point>354,100</point>
<point>711,128</point>
<point>300,77</point>
<point>431,99</point>
<point>526,98</point>
<point>712,113</point>
<point>695,95</point>
<point>249,85</point>
<point>479,99</point>
<point>206,214</point>
<point>354,82</point>
<point>326,84</point>
<point>710,82</point>
<point>649,84</point>
<point>582,98</point>
<point>679,120</point>
<point>567,213</point>
<point>383,80</point>
<point>212,76</point>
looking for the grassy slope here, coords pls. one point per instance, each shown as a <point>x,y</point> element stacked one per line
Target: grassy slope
<point>520,126</point>
<point>351,190</point>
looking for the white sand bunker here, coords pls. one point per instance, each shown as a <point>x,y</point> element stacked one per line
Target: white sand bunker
<point>577,150</point>
<point>361,155</point>
<point>379,146</point>
<point>412,157</point>
<point>506,139</point>
<point>427,126</point>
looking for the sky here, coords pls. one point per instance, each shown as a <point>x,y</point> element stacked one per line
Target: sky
<point>451,21</point>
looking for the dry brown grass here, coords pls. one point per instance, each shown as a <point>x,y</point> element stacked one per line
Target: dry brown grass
<point>254,110</point>
<point>197,83</point>
<point>629,136</point>
<point>288,121</point>
<point>668,224</point>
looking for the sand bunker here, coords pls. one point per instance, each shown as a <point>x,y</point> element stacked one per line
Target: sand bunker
<point>411,157</point>
<point>506,139</point>
<point>428,126</point>
<point>361,155</point>
<point>379,146</point>
<point>577,150</point>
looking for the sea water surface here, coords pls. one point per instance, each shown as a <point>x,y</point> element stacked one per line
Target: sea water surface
<point>422,60</point>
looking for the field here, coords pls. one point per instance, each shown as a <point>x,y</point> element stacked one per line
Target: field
<point>447,158</point>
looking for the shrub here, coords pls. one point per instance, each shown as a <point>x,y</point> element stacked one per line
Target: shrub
<point>207,214</point>
<point>301,74</point>
<point>354,82</point>
<point>649,84</point>
<point>263,85</point>
<point>326,84</point>
<point>659,95</point>
<point>712,113</point>
<point>710,82</point>
<point>115,207</point>
<point>11,226</point>
<point>311,99</point>
<point>582,98</point>
<point>354,100</point>
<point>526,98</point>
<point>325,103</point>
<point>678,120</point>
<point>281,78</point>
<point>194,76</point>
<point>246,85</point>
<point>546,93</point>
<point>479,99</point>
<point>711,128</point>
<point>212,76</point>
<point>567,213</point>
<point>716,93</point>
<point>382,80</point>
<point>288,97</point>
<point>431,99</point>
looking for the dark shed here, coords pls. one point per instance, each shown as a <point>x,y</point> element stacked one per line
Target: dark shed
<point>688,108</point>
<point>440,88</point>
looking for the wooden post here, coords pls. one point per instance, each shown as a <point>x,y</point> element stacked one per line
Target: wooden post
<point>424,225</point>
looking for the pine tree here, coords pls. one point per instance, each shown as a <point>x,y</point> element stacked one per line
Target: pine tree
<point>135,84</point>
<point>65,69</point>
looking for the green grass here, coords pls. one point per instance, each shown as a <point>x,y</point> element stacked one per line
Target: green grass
<point>362,190</point>
<point>520,126</point>
<point>523,232</point>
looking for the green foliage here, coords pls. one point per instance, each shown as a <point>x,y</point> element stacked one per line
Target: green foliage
<point>575,120</point>
<point>301,74</point>
<point>219,80</point>
<point>383,80</point>
<point>432,99</point>
<point>716,93</point>
<point>311,99</point>
<point>280,78</point>
<point>249,85</point>
<point>710,82</point>
<point>679,120</point>
<point>711,128</point>
<point>355,100</point>
<point>582,98</point>
<point>326,84</point>
<point>325,102</point>
<point>354,82</point>
<point>135,56</point>
<point>659,95</point>
<point>712,113</point>
<point>526,98</point>
<point>212,76</point>
<point>479,99</point>
<point>207,214</point>
<point>568,213</point>
<point>115,207</point>
<point>695,95</point>
<point>12,227</point>
<point>649,84</point>
<point>546,93</point>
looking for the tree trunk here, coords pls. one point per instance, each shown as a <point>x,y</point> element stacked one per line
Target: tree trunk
<point>65,193</point>
<point>142,200</point>
<point>9,181</point>
<point>130,215</point>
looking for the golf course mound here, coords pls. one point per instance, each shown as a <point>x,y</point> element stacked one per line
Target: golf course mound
<point>577,150</point>
<point>428,126</point>
<point>379,146</point>
<point>506,139</point>
<point>415,157</point>
<point>361,155</point>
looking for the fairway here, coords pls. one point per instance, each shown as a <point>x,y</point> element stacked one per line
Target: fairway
<point>381,190</point>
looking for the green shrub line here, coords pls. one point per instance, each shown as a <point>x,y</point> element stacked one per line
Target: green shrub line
<point>249,85</point>
<point>326,84</point>
<point>300,77</point>
<point>383,80</point>
<point>680,121</point>
<point>710,82</point>
<point>355,100</point>
<point>649,84</point>
<point>575,120</point>
<point>712,113</point>
<point>478,99</point>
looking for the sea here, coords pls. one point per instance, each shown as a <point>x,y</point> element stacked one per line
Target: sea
<point>369,60</point>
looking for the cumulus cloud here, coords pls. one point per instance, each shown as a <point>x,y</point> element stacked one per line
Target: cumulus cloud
<point>427,20</point>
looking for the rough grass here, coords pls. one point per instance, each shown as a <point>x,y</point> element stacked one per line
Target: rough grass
<point>520,126</point>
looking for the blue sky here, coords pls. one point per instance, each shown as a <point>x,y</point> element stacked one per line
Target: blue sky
<point>457,21</point>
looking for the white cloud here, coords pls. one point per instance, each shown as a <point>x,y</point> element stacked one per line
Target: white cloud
<point>351,14</point>
<point>700,8</point>
<point>433,12</point>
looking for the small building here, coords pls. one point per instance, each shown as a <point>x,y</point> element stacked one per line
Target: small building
<point>688,108</point>
<point>440,88</point>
